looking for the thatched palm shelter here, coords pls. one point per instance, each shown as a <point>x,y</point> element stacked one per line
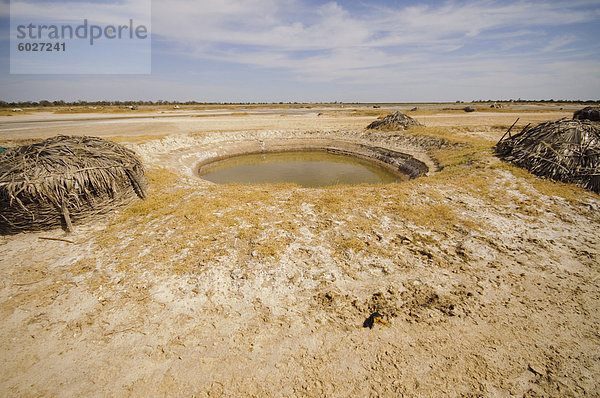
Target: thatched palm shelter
<point>65,179</point>
<point>588,113</point>
<point>394,121</point>
<point>565,150</point>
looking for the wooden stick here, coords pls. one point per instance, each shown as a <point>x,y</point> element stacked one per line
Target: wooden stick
<point>58,239</point>
<point>27,284</point>
<point>67,218</point>
<point>508,131</point>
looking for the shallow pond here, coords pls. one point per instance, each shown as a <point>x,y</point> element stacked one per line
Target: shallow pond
<point>305,168</point>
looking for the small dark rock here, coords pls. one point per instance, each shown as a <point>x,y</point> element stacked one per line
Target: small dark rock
<point>372,319</point>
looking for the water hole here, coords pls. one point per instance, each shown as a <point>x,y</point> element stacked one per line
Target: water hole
<point>305,168</point>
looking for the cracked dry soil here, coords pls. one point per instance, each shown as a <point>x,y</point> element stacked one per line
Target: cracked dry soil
<point>485,279</point>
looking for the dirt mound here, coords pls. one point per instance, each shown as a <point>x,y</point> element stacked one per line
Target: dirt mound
<point>591,113</point>
<point>565,150</point>
<point>64,179</point>
<point>394,121</point>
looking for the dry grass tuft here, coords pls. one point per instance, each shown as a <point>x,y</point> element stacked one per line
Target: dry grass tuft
<point>126,139</point>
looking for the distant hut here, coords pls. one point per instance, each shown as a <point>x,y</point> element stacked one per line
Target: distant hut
<point>65,179</point>
<point>394,121</point>
<point>591,113</point>
<point>565,150</point>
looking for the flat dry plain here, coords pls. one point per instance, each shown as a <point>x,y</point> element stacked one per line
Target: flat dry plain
<point>487,278</point>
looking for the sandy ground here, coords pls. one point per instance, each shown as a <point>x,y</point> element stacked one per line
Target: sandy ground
<point>488,281</point>
<point>46,124</point>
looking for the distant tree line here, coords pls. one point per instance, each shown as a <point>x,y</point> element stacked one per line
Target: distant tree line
<point>547,101</point>
<point>46,103</point>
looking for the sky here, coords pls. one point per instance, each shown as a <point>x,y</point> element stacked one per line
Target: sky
<point>350,51</point>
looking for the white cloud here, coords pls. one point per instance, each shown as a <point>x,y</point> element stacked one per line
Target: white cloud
<point>460,47</point>
<point>559,43</point>
<point>4,9</point>
<point>75,12</point>
<point>268,33</point>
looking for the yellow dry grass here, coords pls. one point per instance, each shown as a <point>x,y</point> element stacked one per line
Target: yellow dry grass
<point>135,138</point>
<point>8,112</point>
<point>100,109</point>
<point>370,112</point>
<point>183,228</point>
